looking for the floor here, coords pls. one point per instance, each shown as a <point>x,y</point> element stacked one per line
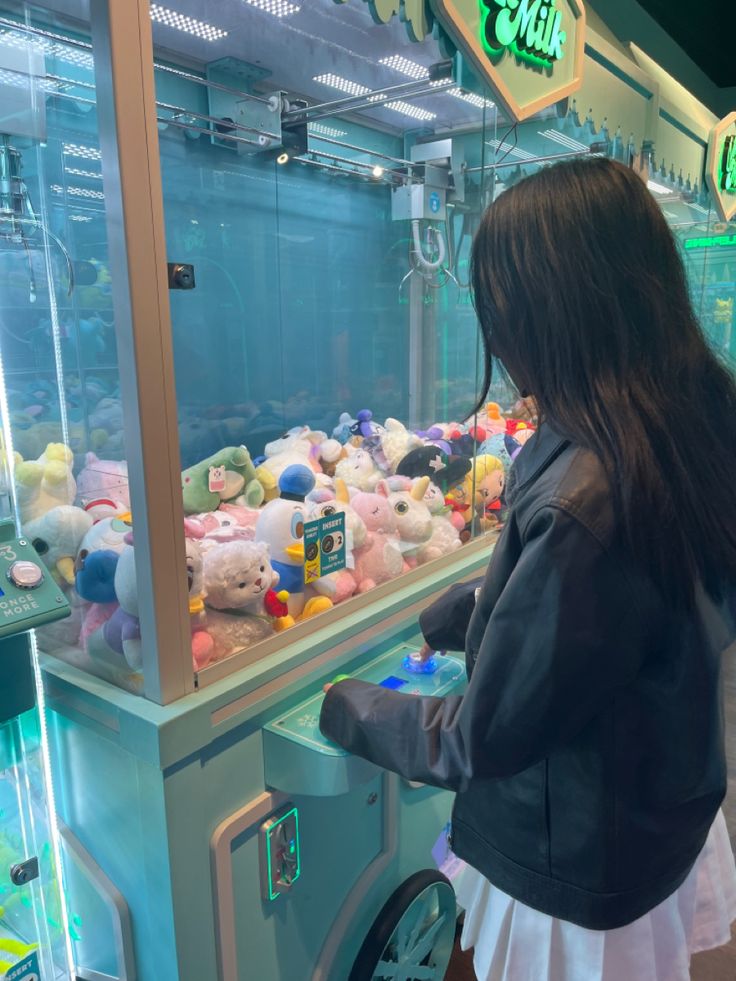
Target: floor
<point>714,965</point>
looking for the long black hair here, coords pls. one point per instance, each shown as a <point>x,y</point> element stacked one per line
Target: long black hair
<point>581,294</point>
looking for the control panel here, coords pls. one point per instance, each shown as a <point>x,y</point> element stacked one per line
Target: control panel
<point>297,757</point>
<point>29,595</point>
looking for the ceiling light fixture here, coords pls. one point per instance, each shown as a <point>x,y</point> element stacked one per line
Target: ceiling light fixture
<point>76,172</point>
<point>51,49</point>
<point>86,152</point>
<point>342,84</point>
<point>475,100</point>
<point>189,25</point>
<point>401,64</point>
<point>78,192</point>
<point>277,8</point>
<point>407,109</point>
<point>318,129</point>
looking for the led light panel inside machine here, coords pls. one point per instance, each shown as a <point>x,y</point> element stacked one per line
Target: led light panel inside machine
<point>278,8</point>
<point>190,25</point>
<point>406,67</point>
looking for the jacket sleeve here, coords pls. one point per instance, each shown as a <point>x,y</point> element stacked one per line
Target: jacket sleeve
<point>444,624</point>
<point>563,636</point>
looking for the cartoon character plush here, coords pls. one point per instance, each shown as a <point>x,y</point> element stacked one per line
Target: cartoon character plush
<point>503,447</point>
<point>379,560</point>
<point>300,446</point>
<point>392,445</point>
<point>445,537</point>
<point>359,470</point>
<point>494,421</point>
<point>443,469</point>
<point>238,577</point>
<point>413,520</point>
<point>122,631</point>
<point>198,483</point>
<point>344,428</point>
<point>57,537</point>
<point>102,486</point>
<point>98,557</point>
<point>281,526</point>
<point>484,486</point>
<point>45,483</point>
<point>339,586</point>
<point>203,643</point>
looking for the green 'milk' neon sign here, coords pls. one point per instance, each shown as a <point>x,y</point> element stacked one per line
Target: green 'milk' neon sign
<point>531,29</point>
<point>728,165</point>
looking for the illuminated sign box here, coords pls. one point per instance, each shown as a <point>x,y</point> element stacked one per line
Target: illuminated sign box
<point>721,166</point>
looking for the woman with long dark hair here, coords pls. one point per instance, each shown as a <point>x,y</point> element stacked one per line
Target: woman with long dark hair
<point>587,754</point>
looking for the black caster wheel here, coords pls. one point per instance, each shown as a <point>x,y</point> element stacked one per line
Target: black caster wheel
<point>413,935</point>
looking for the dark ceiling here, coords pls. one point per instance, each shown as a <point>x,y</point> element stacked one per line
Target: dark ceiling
<point>703,31</point>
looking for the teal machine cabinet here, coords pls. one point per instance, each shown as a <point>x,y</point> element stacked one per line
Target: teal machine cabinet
<point>33,924</point>
<point>234,240</point>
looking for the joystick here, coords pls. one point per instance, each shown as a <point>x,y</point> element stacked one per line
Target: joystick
<point>414,664</point>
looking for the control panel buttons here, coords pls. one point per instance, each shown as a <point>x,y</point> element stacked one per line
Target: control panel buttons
<point>25,575</point>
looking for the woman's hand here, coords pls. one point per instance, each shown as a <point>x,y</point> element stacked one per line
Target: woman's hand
<point>425,652</point>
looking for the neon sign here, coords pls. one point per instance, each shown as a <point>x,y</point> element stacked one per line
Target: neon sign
<point>728,165</point>
<point>531,29</point>
<point>711,242</point>
<point>720,168</point>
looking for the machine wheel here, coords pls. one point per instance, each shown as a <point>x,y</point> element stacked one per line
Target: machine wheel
<point>413,935</point>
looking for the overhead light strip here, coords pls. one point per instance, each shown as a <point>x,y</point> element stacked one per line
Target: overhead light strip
<point>277,8</point>
<point>86,152</point>
<point>658,188</point>
<point>399,63</point>
<point>189,25</point>
<point>564,140</point>
<point>341,84</point>
<point>407,109</point>
<point>475,100</point>
<point>514,151</point>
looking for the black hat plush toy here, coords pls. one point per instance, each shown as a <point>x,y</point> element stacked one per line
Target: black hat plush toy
<point>430,461</point>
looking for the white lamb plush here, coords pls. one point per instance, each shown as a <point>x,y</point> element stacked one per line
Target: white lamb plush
<point>237,576</point>
<point>445,536</point>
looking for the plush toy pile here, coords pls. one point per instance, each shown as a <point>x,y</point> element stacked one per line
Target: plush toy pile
<point>409,497</point>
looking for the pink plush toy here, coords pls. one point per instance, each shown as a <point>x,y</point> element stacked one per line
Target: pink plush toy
<point>103,484</point>
<point>339,586</point>
<point>230,523</point>
<point>379,560</point>
<point>413,520</point>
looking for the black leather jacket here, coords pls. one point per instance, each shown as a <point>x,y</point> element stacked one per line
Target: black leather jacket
<point>587,754</point>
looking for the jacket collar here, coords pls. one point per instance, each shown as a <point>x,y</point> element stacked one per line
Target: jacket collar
<point>537,454</point>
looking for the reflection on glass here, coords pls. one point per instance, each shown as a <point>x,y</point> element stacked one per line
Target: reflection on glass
<point>59,397</point>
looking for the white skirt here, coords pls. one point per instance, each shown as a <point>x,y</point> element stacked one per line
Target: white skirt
<point>516,943</point>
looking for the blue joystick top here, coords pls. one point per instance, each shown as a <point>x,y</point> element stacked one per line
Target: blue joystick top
<point>414,665</point>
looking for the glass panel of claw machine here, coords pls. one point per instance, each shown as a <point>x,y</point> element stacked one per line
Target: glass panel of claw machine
<point>60,397</point>
<point>708,248</point>
<point>323,175</point>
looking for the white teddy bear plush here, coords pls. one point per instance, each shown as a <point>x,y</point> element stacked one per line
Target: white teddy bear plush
<point>237,576</point>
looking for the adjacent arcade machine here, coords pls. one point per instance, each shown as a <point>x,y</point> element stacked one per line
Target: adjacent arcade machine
<point>33,921</point>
